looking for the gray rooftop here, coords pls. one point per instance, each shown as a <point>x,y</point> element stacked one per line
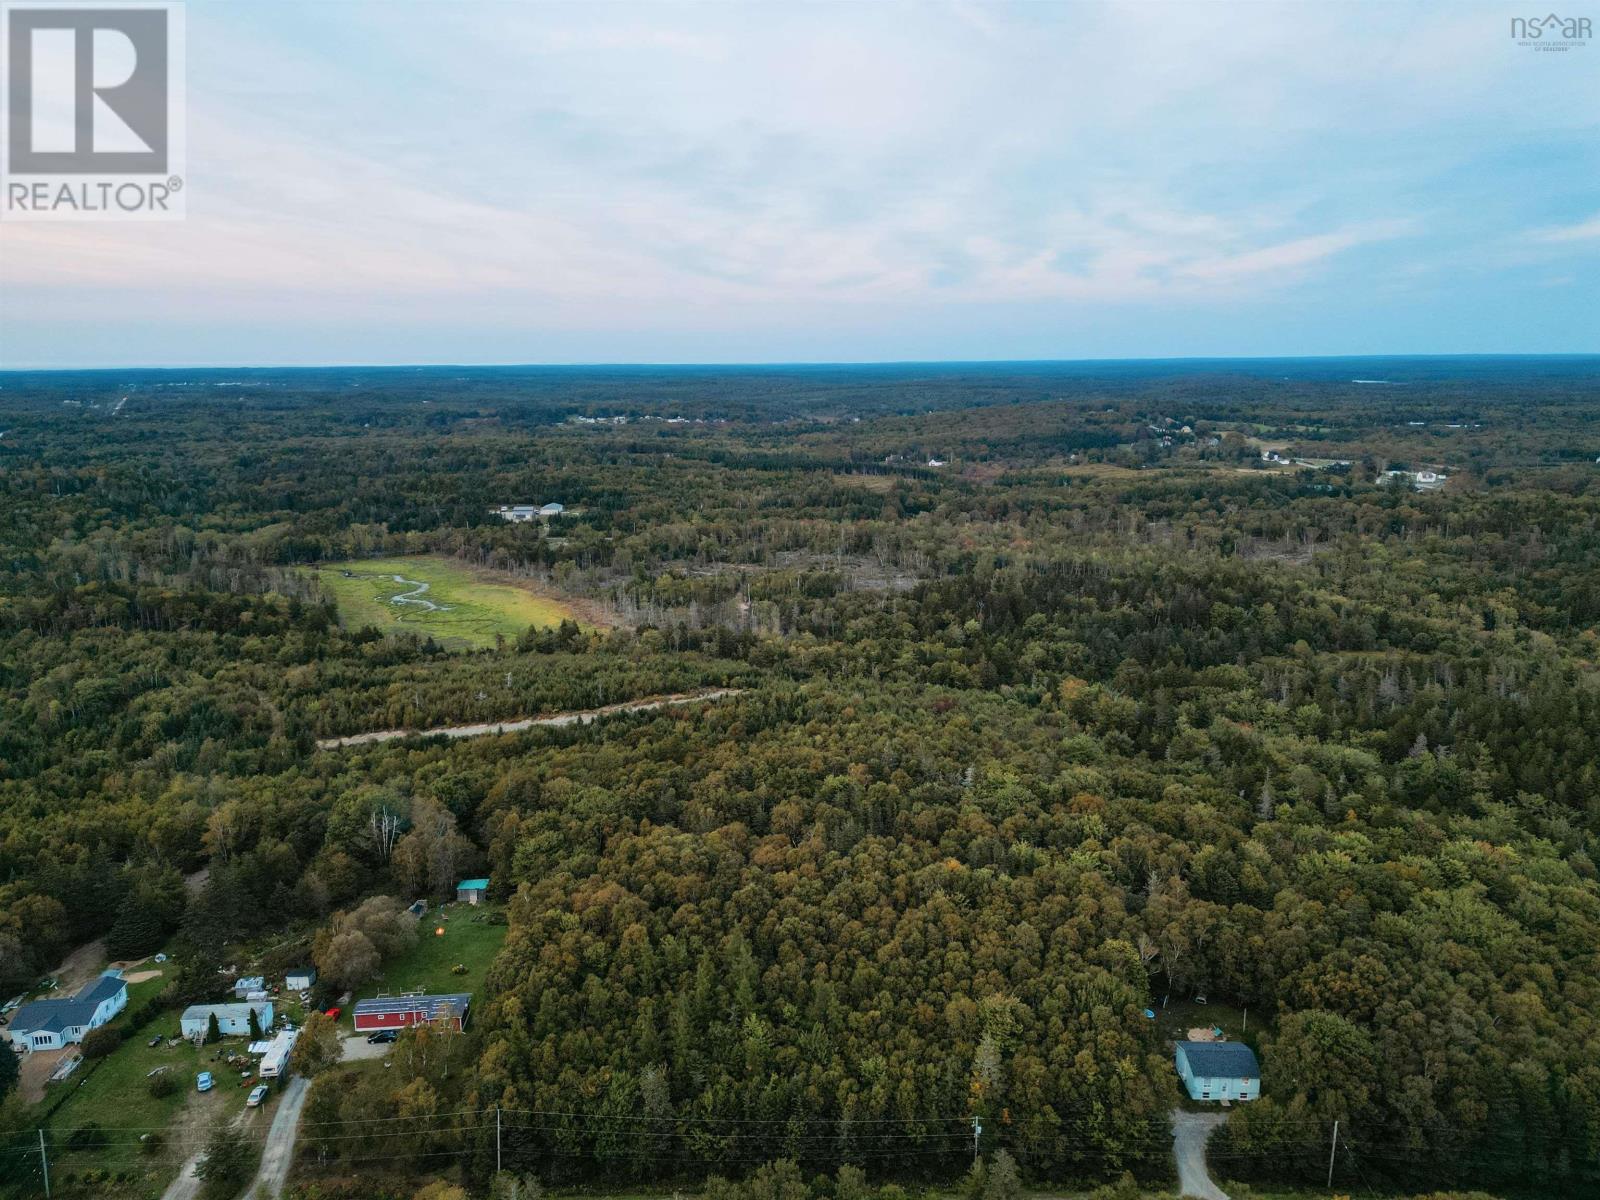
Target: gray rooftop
<point>55,1015</point>
<point>1225,1060</point>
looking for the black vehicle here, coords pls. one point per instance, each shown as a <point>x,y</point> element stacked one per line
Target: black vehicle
<point>383,1037</point>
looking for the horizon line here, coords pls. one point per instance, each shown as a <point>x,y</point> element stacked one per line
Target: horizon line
<point>773,364</point>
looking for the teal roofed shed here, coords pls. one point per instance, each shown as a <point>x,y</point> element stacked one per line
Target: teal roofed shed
<point>472,891</point>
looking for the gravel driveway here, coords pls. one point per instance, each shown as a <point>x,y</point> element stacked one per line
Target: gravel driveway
<point>1190,1132</point>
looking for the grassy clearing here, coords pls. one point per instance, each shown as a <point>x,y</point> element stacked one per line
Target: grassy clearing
<point>115,1097</point>
<point>456,604</point>
<point>469,940</point>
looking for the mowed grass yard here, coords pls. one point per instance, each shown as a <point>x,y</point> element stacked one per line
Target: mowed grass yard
<point>115,1097</point>
<point>470,939</point>
<point>458,605</point>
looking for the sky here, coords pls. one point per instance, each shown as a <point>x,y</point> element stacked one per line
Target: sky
<point>464,181</point>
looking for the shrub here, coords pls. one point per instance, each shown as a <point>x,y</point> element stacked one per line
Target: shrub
<point>164,1084</point>
<point>98,1043</point>
<point>86,1137</point>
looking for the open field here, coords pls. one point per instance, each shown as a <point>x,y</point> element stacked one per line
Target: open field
<point>469,939</point>
<point>458,605</point>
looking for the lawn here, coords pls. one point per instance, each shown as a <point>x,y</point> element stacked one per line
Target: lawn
<point>115,1097</point>
<point>459,606</point>
<point>469,939</point>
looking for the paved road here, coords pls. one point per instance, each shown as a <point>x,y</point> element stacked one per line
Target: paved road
<point>1190,1132</point>
<point>582,717</point>
<point>278,1153</point>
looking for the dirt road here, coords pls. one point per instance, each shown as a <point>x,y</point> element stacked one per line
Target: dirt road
<point>277,1154</point>
<point>1190,1132</point>
<point>581,717</point>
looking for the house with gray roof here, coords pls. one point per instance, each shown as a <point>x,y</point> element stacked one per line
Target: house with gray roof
<point>1218,1070</point>
<point>56,1023</point>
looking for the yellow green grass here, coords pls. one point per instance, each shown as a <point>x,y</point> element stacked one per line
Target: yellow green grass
<point>456,604</point>
<point>472,937</point>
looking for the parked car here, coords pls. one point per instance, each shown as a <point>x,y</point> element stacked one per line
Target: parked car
<point>256,1096</point>
<point>202,1081</point>
<point>332,1012</point>
<point>383,1037</point>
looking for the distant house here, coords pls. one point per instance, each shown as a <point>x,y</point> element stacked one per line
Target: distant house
<point>472,891</point>
<point>517,513</point>
<point>53,1024</point>
<point>1218,1070</point>
<point>231,1018</point>
<point>552,509</point>
<point>299,979</point>
<point>250,983</point>
<point>401,1012</point>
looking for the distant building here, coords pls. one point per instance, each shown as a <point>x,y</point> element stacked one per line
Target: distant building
<point>250,983</point>
<point>231,1018</point>
<point>552,509</point>
<point>299,979</point>
<point>53,1024</point>
<point>401,1012</point>
<point>472,891</point>
<point>936,462</point>
<point>517,513</point>
<point>1218,1070</point>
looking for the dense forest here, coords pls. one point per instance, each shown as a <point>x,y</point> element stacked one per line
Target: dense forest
<point>1061,690</point>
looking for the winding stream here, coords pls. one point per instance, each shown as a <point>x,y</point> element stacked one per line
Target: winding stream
<point>414,596</point>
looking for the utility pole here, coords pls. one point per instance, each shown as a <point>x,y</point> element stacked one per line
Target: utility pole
<point>497,1139</point>
<point>1332,1150</point>
<point>1246,1021</point>
<point>44,1161</point>
<point>977,1132</point>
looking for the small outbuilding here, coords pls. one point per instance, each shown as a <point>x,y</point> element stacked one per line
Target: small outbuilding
<point>1218,1070</point>
<point>299,979</point>
<point>472,891</point>
<point>249,983</point>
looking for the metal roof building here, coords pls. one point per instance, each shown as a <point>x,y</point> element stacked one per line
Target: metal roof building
<point>400,1012</point>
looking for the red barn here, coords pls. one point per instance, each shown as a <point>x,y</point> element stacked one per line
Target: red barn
<point>399,1012</point>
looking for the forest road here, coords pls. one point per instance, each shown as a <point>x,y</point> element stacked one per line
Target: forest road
<point>277,1153</point>
<point>581,717</point>
<point>1190,1133</point>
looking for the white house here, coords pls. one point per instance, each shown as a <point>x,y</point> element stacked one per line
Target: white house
<point>517,513</point>
<point>299,979</point>
<point>231,1018</point>
<point>552,509</point>
<point>1218,1070</point>
<point>52,1024</point>
<point>250,983</point>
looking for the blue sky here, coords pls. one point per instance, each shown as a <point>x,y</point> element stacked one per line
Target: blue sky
<point>733,182</point>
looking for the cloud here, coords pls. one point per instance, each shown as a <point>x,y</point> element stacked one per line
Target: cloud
<point>655,167</point>
<point>1583,231</point>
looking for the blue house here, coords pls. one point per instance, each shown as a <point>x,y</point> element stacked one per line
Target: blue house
<point>1219,1070</point>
